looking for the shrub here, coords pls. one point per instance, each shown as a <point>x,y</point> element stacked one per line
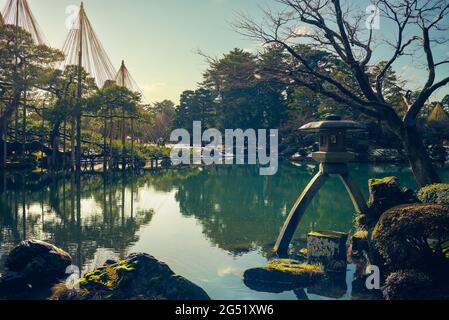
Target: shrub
<point>434,194</point>
<point>414,235</point>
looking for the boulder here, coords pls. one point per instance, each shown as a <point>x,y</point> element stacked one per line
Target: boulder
<point>329,249</point>
<point>359,245</point>
<point>385,194</point>
<point>434,194</point>
<point>281,275</point>
<point>139,276</point>
<point>408,285</point>
<point>414,235</point>
<point>38,262</point>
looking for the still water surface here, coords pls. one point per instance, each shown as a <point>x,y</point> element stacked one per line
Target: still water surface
<point>208,224</point>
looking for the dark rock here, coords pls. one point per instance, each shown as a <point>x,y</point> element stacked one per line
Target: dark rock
<point>140,276</point>
<point>385,194</point>
<point>408,285</point>
<point>282,275</point>
<point>359,245</point>
<point>38,262</point>
<point>413,235</point>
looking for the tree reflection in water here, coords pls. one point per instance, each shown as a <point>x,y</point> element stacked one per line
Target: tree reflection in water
<point>97,212</point>
<point>238,210</point>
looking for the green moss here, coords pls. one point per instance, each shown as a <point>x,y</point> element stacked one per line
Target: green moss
<point>386,180</point>
<point>108,276</point>
<point>405,233</point>
<point>293,267</point>
<point>434,194</point>
<point>361,235</point>
<point>328,234</point>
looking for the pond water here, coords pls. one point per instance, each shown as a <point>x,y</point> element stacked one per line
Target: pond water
<point>208,224</point>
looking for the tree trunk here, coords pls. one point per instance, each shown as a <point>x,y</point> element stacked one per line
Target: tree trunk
<point>72,145</point>
<point>418,157</point>
<point>4,121</point>
<point>54,143</point>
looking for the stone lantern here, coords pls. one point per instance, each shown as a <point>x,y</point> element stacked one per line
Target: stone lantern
<point>333,158</point>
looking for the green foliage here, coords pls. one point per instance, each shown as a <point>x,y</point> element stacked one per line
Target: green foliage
<point>196,105</point>
<point>414,235</point>
<point>445,103</point>
<point>114,100</point>
<point>434,194</point>
<point>23,63</point>
<point>234,94</point>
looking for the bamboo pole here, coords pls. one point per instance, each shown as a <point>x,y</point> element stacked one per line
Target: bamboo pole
<point>78,114</point>
<point>105,164</point>
<point>123,140</point>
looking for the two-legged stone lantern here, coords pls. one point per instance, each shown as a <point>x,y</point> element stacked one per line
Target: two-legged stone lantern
<point>333,159</point>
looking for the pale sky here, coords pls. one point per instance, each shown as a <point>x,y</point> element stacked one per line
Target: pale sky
<point>158,39</point>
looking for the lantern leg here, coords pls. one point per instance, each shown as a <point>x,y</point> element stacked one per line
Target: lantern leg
<point>354,192</point>
<point>295,216</point>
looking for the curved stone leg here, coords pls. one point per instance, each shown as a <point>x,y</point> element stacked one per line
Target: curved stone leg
<point>354,192</point>
<point>283,242</point>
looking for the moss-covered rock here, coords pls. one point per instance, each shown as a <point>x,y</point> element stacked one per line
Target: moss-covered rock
<point>282,275</point>
<point>359,244</point>
<point>328,248</point>
<point>140,276</point>
<point>385,194</point>
<point>409,285</point>
<point>434,194</point>
<point>414,235</point>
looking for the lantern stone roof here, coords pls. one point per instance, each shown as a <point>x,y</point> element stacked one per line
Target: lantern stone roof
<point>333,122</point>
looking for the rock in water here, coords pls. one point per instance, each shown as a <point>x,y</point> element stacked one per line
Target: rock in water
<point>140,276</point>
<point>329,249</point>
<point>385,194</point>
<point>38,262</point>
<point>359,244</point>
<point>281,275</point>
